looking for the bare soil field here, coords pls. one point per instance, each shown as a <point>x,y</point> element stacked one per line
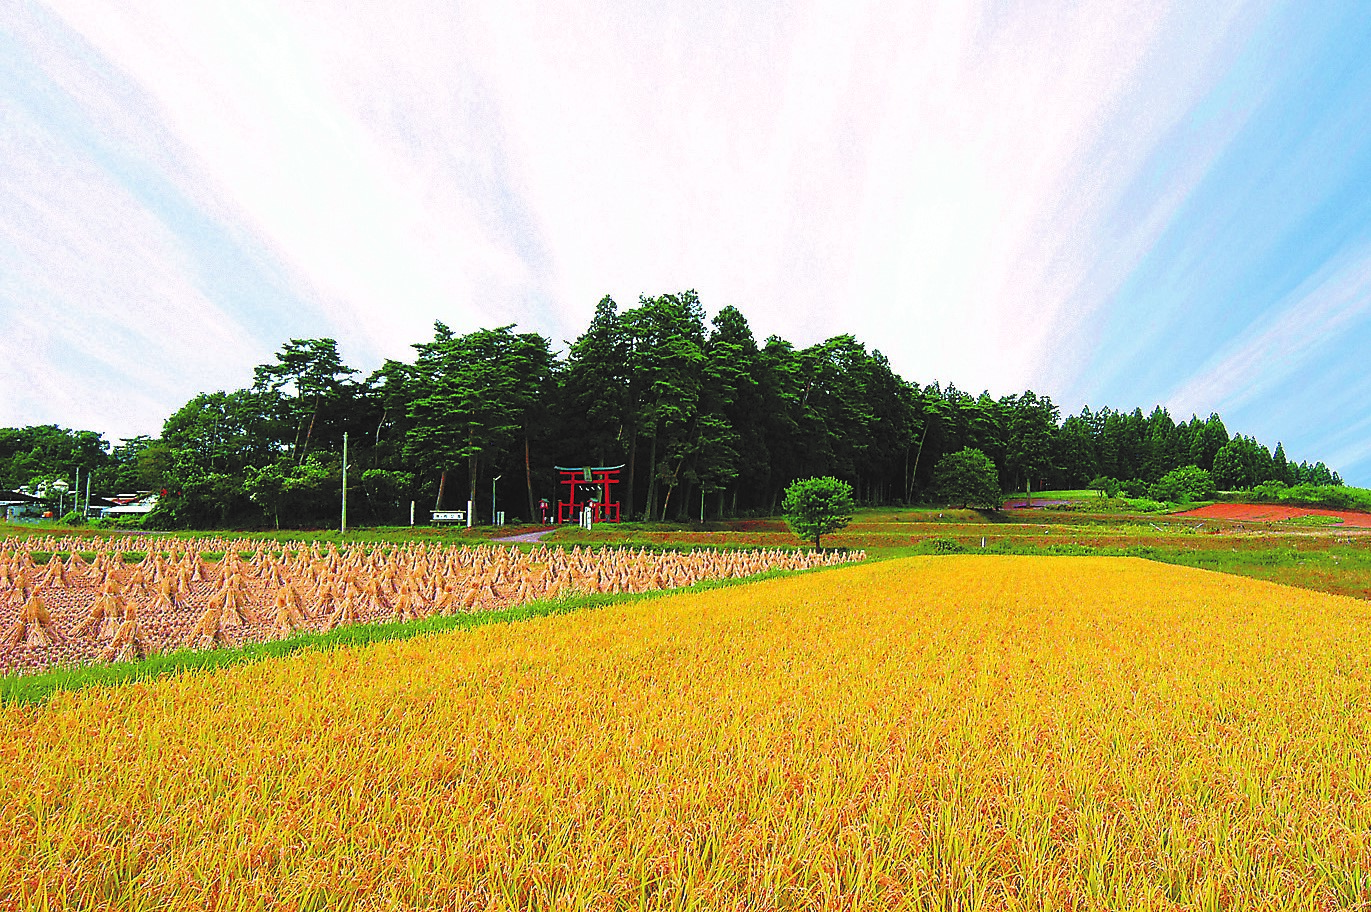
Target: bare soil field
<point>1277,513</point>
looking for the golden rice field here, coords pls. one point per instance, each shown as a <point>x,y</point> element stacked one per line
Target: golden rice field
<point>959,732</point>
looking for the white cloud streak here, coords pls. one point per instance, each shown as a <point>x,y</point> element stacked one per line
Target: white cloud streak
<point>1288,342</point>
<point>938,178</point>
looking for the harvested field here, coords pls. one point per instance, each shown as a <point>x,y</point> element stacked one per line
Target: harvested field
<point>960,732</point>
<point>1277,513</point>
<point>101,607</point>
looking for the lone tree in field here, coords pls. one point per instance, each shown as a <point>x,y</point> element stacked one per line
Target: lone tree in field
<point>817,506</point>
<point>968,478</point>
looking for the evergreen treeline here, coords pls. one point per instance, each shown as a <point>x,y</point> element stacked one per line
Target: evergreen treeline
<point>703,416</point>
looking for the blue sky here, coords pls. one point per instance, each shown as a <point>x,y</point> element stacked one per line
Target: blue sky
<point>1110,202</point>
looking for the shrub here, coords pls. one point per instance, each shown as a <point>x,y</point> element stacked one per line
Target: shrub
<point>126,521</point>
<point>1109,487</point>
<point>1184,485</point>
<point>1331,497</point>
<point>1134,487</point>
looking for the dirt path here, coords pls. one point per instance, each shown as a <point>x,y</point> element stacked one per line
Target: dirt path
<point>525,537</point>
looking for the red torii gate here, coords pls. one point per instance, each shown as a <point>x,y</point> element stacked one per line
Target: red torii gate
<point>592,483</point>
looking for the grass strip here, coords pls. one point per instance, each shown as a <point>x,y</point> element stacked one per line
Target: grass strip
<point>18,688</point>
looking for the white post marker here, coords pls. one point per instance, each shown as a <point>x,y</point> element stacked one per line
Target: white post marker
<point>411,512</point>
<point>471,512</point>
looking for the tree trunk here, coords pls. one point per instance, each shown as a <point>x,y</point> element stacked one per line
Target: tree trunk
<point>528,477</point>
<point>651,504</point>
<point>377,445</point>
<point>913,478</point>
<point>472,498</point>
<point>442,485</point>
<point>675,477</point>
<point>632,464</point>
<point>310,433</point>
<point>295,448</point>
<point>906,473</point>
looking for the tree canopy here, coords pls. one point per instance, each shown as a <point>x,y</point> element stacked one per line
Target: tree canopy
<point>708,420</point>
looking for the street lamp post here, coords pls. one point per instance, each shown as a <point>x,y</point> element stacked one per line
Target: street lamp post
<point>61,488</point>
<point>492,497</point>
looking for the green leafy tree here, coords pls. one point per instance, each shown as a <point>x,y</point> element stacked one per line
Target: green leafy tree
<point>1280,466</point>
<point>387,492</point>
<point>594,391</point>
<point>1073,451</point>
<point>666,340</point>
<point>143,464</point>
<point>472,397</point>
<point>1031,423</point>
<point>46,450</point>
<point>1209,438</point>
<point>284,485</point>
<point>815,507</point>
<point>968,478</point>
<point>201,499</point>
<point>222,432</point>
<point>726,439</point>
<point>1242,463</point>
<point>308,376</point>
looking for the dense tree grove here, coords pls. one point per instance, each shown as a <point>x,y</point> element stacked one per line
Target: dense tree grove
<point>706,419</point>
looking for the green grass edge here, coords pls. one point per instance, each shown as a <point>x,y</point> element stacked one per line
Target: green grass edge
<point>18,688</point>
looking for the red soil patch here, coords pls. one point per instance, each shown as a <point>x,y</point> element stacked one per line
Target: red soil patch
<point>1276,513</point>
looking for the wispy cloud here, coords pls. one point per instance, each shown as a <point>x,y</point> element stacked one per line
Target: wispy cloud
<point>1286,343</point>
<point>979,189</point>
<point>935,168</point>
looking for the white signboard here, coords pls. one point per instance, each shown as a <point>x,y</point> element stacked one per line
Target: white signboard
<point>450,516</point>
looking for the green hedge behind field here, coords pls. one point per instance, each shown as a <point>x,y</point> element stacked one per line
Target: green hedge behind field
<point>1329,497</point>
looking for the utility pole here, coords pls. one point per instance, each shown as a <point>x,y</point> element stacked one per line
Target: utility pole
<point>343,526</point>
